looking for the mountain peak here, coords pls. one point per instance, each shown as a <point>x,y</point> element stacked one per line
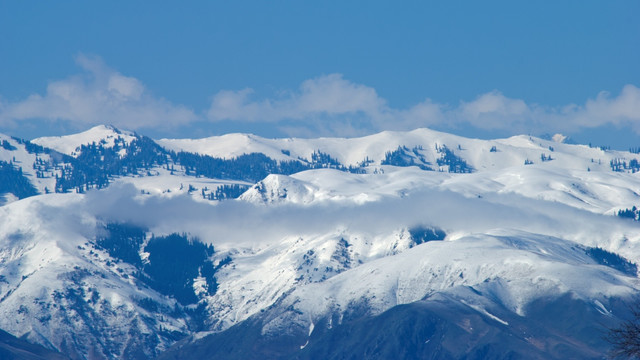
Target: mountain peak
<point>70,144</point>
<point>326,233</point>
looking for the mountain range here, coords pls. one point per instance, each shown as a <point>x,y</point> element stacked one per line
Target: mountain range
<point>414,245</point>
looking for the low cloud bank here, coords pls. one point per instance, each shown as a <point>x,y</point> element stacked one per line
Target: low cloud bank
<point>245,224</point>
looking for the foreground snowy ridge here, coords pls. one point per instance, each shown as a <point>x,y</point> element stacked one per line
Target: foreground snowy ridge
<point>496,232</point>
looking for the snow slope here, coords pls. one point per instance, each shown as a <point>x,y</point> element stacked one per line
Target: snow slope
<point>70,144</point>
<point>57,289</point>
<point>28,162</point>
<point>523,254</point>
<point>301,254</point>
<point>353,151</point>
<point>602,192</point>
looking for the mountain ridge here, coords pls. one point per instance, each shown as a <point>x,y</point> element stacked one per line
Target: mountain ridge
<point>309,241</point>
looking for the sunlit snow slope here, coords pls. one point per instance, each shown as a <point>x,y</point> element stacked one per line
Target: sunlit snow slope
<point>511,245</point>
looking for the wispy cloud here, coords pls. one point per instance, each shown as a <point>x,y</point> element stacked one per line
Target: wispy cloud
<point>494,111</point>
<point>98,95</point>
<point>331,103</point>
<point>330,95</point>
<point>328,105</point>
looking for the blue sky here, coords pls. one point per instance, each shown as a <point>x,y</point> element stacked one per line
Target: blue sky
<point>333,68</point>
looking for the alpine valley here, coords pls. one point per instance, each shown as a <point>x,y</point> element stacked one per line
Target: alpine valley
<point>398,245</point>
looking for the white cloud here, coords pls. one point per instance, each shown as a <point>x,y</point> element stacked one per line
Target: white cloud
<point>494,103</point>
<point>621,110</point>
<point>236,221</point>
<point>334,95</point>
<point>324,103</point>
<point>493,111</point>
<point>329,103</point>
<point>99,95</point>
<point>325,95</point>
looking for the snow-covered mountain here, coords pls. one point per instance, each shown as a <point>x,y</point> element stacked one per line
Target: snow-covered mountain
<point>107,136</point>
<point>133,248</point>
<point>423,146</point>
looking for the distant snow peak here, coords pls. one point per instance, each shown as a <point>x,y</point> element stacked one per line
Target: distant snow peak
<point>344,229</point>
<point>278,189</point>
